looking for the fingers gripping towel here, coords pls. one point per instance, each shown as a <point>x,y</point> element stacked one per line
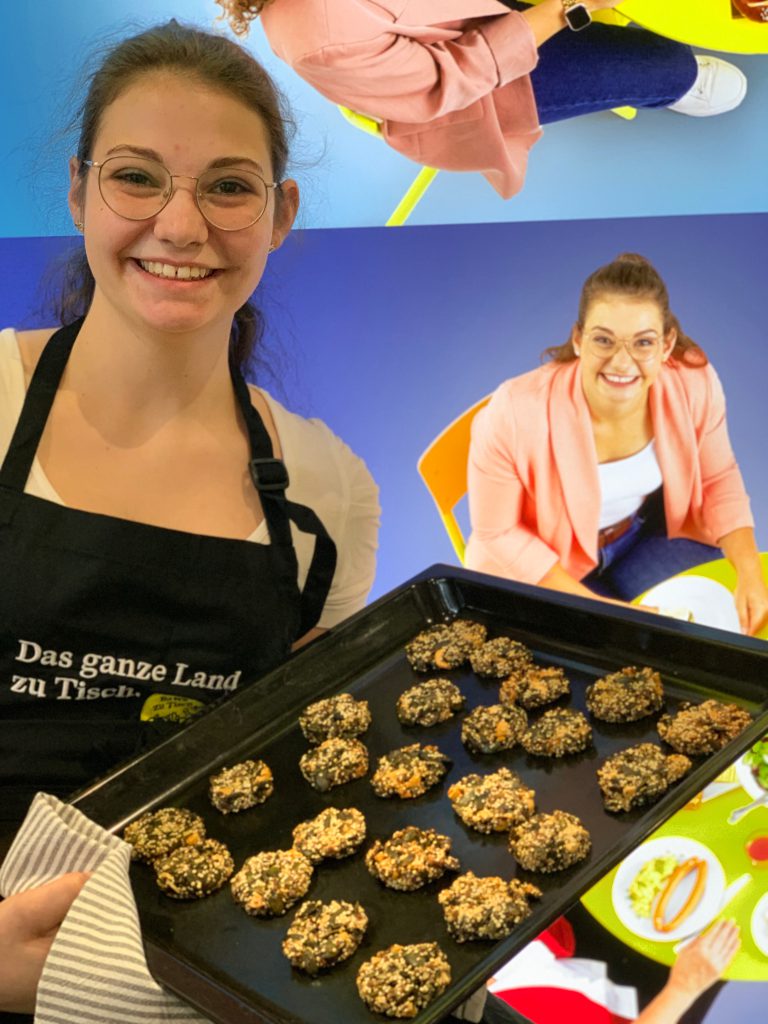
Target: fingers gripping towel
<point>96,970</point>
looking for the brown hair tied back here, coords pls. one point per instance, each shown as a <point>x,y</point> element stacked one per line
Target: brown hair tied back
<point>216,62</point>
<point>240,13</point>
<point>635,277</point>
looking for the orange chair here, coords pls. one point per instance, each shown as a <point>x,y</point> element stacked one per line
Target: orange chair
<point>443,468</point>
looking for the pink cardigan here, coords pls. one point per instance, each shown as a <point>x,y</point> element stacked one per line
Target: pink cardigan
<point>534,494</point>
<point>448,78</point>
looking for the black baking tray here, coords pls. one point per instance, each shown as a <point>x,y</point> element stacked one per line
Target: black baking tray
<point>230,966</point>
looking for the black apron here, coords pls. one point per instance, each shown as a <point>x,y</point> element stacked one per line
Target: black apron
<point>110,630</point>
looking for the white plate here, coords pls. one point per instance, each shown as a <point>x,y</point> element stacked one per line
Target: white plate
<point>747,779</point>
<point>710,602</point>
<point>681,848</point>
<point>759,924</point>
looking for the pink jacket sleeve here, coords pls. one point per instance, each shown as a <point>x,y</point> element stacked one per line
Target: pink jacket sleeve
<point>501,543</point>
<point>400,77</point>
<point>725,504</point>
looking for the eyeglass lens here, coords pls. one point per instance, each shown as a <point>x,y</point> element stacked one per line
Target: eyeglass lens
<point>641,349</point>
<point>137,188</point>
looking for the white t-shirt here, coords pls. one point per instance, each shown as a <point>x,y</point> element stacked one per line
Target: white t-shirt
<point>324,475</point>
<point>625,483</point>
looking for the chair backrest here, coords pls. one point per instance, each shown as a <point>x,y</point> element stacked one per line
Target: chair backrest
<point>443,468</point>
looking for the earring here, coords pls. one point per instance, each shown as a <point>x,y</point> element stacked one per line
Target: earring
<point>79,225</point>
<point>271,248</point>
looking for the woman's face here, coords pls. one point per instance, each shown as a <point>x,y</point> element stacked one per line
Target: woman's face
<point>621,349</point>
<point>188,126</point>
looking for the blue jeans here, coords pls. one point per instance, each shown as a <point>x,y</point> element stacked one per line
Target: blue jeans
<point>606,66</point>
<point>644,555</point>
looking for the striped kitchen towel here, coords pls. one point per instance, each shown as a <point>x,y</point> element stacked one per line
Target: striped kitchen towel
<point>96,970</point>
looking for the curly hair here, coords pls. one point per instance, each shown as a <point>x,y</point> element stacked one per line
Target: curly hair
<point>240,13</point>
<point>635,277</point>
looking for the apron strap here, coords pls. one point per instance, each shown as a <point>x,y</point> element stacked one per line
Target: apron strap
<point>321,569</point>
<point>36,408</point>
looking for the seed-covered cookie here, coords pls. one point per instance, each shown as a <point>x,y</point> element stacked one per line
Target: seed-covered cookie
<point>340,717</point>
<point>485,908</point>
<point>557,732</point>
<point>699,729</point>
<point>401,980</point>
<point>410,771</point>
<point>241,786</point>
<point>445,645</point>
<point>534,687</point>
<point>492,803</point>
<point>333,763</point>
<point>410,858</point>
<point>333,834</point>
<point>489,729</point>
<point>271,882</point>
<point>191,872</point>
<point>322,935</point>
<point>550,842</point>
<point>626,695</point>
<point>499,658</point>
<point>158,832</point>
<point>639,775</point>
<point>430,702</point>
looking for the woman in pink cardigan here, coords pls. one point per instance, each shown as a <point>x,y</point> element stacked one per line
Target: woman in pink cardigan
<point>609,468</point>
<point>465,85</point>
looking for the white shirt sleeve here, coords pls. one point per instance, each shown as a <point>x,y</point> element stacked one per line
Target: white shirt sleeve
<point>326,475</point>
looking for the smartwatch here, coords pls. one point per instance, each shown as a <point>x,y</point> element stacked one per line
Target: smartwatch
<point>576,15</point>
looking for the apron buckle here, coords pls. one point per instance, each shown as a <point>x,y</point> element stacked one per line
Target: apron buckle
<point>268,474</point>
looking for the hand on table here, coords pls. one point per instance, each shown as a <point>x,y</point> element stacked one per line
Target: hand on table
<point>751,598</point>
<point>702,962</point>
<point>29,922</point>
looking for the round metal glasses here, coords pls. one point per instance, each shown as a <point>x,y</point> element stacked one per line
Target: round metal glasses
<point>137,188</point>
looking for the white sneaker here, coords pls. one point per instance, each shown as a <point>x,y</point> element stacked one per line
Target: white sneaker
<point>719,87</point>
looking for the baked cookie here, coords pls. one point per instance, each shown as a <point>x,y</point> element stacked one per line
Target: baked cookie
<point>699,729</point>
<point>410,858</point>
<point>492,803</point>
<point>534,687</point>
<point>557,732</point>
<point>639,775</point>
<point>322,935</point>
<point>499,658</point>
<point>485,908</point>
<point>191,872</point>
<point>626,695</point>
<point>158,832</point>
<point>241,786</point>
<point>401,980</point>
<point>340,717</point>
<point>333,834</point>
<point>333,763</point>
<point>410,771</point>
<point>445,645</point>
<point>550,842</point>
<point>489,729</point>
<point>430,702</point>
<point>271,882</point>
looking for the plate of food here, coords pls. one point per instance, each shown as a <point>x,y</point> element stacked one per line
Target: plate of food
<point>704,601</point>
<point>668,888</point>
<point>752,769</point>
<point>759,924</point>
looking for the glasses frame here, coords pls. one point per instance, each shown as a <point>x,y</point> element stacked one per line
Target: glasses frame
<point>627,345</point>
<point>100,164</point>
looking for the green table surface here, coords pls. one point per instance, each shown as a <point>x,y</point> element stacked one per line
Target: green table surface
<point>706,822</point>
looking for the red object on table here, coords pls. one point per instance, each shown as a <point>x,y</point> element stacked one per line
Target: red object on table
<point>753,13</point>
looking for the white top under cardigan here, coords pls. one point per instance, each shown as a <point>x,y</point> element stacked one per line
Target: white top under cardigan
<point>624,483</point>
<point>324,474</point>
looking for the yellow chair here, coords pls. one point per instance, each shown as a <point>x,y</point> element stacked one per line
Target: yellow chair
<point>443,468</point>
<point>418,186</point>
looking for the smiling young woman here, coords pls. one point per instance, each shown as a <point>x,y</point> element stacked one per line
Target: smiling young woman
<point>609,468</point>
<point>160,511</point>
